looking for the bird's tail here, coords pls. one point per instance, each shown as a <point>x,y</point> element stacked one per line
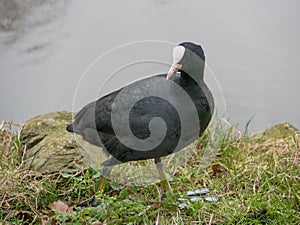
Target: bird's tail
<point>70,128</point>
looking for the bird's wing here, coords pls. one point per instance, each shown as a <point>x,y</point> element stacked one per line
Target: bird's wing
<point>96,115</point>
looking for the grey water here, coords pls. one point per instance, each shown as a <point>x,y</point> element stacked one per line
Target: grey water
<point>47,49</point>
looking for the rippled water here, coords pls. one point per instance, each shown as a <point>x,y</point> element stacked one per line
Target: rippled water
<point>251,47</point>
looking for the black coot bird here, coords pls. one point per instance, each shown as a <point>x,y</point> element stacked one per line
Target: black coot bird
<point>156,111</point>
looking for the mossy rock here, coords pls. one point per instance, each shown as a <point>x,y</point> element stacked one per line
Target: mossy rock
<point>50,148</point>
<point>278,131</point>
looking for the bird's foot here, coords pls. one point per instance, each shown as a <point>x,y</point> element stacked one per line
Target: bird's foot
<point>162,196</point>
<point>194,196</point>
<point>165,195</point>
<point>92,201</point>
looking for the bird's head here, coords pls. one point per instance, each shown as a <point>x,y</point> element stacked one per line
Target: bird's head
<point>187,57</point>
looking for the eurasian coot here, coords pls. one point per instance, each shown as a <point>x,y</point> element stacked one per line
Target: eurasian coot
<point>152,117</point>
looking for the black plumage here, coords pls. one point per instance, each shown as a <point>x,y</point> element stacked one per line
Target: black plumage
<point>94,121</point>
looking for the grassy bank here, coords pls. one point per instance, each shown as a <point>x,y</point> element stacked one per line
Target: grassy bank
<point>255,181</point>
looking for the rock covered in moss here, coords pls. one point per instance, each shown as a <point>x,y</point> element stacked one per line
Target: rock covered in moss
<point>278,139</point>
<point>278,131</point>
<point>50,148</point>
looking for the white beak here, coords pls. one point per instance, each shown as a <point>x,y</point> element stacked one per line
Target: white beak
<point>173,70</point>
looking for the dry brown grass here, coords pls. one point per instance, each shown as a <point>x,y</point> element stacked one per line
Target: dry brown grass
<point>11,151</point>
<point>20,190</point>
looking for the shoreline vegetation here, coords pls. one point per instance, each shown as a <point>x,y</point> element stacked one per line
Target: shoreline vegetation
<point>255,177</point>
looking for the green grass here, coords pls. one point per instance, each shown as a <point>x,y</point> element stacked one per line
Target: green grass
<point>246,177</point>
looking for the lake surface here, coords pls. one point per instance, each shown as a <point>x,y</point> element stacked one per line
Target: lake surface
<point>252,51</point>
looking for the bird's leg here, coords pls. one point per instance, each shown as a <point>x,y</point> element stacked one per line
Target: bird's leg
<point>162,174</point>
<point>92,201</point>
<point>105,173</point>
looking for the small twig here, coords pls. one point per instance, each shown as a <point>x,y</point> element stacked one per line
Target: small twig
<point>157,219</point>
<point>211,218</point>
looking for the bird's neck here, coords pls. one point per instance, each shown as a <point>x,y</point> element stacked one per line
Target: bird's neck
<point>186,78</point>
<point>193,69</point>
